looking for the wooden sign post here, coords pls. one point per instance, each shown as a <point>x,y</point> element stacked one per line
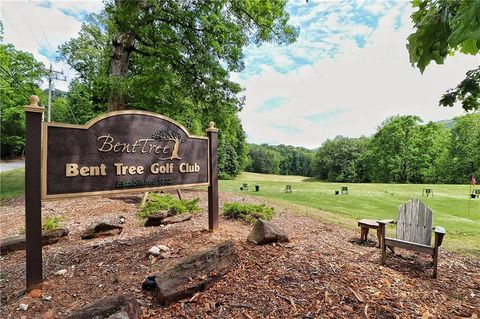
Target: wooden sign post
<point>33,201</point>
<point>117,152</point>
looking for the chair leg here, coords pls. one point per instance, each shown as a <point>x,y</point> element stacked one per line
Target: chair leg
<point>384,252</point>
<point>435,262</point>
<point>379,237</point>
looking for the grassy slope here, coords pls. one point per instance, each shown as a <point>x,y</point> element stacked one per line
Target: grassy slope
<point>376,201</point>
<point>12,183</point>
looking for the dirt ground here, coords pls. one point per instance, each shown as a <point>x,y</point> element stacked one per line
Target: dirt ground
<point>324,272</point>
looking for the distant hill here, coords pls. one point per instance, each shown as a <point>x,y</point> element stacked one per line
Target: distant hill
<point>447,123</point>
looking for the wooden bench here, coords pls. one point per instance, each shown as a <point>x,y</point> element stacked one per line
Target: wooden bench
<point>414,231</point>
<point>244,187</point>
<point>344,190</point>
<point>367,224</point>
<point>288,188</point>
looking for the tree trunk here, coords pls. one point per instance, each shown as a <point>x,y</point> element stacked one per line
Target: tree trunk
<point>122,46</point>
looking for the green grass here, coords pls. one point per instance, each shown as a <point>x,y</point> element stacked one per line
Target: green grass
<point>12,184</point>
<point>248,212</point>
<point>375,201</point>
<point>157,203</point>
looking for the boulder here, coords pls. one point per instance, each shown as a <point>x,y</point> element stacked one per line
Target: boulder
<point>177,219</point>
<point>195,273</point>
<point>116,307</point>
<point>15,243</point>
<point>101,229</point>
<point>264,233</point>
<point>157,218</point>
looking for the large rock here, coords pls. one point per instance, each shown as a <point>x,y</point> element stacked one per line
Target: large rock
<point>177,219</point>
<point>157,218</point>
<point>264,233</point>
<point>116,307</point>
<point>101,229</point>
<point>15,243</point>
<point>195,273</point>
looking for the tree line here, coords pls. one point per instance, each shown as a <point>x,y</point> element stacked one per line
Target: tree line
<point>403,150</point>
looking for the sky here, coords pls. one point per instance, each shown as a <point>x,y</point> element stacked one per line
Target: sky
<point>347,72</point>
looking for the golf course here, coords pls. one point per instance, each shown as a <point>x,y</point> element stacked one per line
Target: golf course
<point>450,203</point>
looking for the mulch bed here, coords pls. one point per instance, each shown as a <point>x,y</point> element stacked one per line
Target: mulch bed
<point>324,272</point>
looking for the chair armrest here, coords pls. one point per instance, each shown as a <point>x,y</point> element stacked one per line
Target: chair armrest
<point>386,221</point>
<point>439,233</point>
<point>439,230</point>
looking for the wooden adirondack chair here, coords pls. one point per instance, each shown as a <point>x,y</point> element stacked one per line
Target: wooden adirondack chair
<point>414,231</point>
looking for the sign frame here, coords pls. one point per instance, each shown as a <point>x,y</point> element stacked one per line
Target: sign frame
<point>89,124</point>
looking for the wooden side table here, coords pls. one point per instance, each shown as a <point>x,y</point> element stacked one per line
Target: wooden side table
<point>366,224</point>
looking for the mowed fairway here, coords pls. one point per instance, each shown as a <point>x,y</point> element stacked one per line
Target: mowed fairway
<point>376,201</point>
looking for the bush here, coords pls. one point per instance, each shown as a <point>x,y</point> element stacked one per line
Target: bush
<point>157,203</point>
<point>249,213</point>
<point>51,222</point>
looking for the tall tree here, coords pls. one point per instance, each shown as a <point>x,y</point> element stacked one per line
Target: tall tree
<point>442,28</point>
<point>190,45</point>
<point>20,76</point>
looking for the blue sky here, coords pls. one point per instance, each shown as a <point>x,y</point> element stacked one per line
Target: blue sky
<point>347,72</point>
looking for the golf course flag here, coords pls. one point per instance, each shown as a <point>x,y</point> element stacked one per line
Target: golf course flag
<point>473,182</point>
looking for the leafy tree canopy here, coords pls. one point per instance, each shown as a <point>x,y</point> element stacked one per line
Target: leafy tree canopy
<point>442,28</point>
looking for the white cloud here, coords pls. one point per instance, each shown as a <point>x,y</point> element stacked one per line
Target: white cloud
<point>371,84</point>
<point>30,26</point>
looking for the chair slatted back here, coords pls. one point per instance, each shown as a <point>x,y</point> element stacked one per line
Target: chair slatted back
<point>414,222</point>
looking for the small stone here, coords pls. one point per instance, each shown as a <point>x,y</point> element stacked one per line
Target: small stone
<point>35,293</point>
<point>165,255</point>
<point>61,272</point>
<point>47,298</point>
<point>164,248</point>
<point>154,251</point>
<point>23,307</point>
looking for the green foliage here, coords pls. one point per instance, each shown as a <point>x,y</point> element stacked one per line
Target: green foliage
<point>51,222</point>
<point>443,27</point>
<point>263,160</point>
<point>12,183</point>
<point>464,151</point>
<point>20,75</point>
<point>167,202</point>
<point>340,160</point>
<point>248,212</point>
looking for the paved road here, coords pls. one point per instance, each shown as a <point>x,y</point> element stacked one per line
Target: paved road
<point>8,165</point>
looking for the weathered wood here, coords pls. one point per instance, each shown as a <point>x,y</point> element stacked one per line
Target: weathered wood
<point>414,231</point>
<point>177,219</point>
<point>124,307</point>
<point>409,245</point>
<point>195,273</point>
<point>14,243</point>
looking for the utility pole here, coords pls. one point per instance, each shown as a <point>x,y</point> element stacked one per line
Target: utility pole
<point>52,75</point>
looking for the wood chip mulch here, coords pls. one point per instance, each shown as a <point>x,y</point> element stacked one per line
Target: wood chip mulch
<point>324,272</point>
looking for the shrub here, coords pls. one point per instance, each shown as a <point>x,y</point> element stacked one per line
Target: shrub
<point>249,213</point>
<point>51,222</point>
<point>167,202</point>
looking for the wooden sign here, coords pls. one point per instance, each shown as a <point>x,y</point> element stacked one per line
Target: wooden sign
<point>121,152</point>
<point>118,152</point>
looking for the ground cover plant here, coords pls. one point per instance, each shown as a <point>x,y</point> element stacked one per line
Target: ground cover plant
<point>376,201</point>
<point>51,222</point>
<point>167,202</point>
<point>248,212</point>
<point>12,184</point>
